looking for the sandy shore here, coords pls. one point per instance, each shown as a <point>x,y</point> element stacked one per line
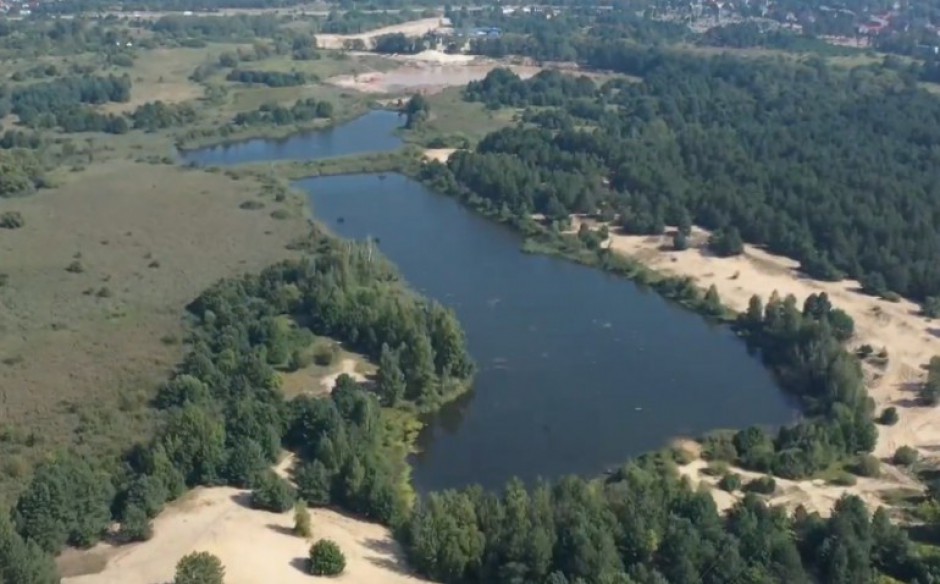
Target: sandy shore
<point>910,339</point>
<point>439,154</point>
<point>432,73</point>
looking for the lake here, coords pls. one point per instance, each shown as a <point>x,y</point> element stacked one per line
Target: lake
<point>578,369</point>
<point>368,134</point>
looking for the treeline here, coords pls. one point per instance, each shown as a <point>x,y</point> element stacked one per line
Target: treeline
<point>156,115</point>
<point>547,88</point>
<point>60,102</point>
<point>303,110</point>
<point>646,526</point>
<point>217,28</point>
<point>20,139</point>
<point>860,203</point>
<point>356,21</point>
<point>224,419</point>
<point>748,34</point>
<point>269,78</point>
<point>400,44</point>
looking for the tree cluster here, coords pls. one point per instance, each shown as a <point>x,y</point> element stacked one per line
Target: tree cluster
<point>269,78</point>
<point>157,115</point>
<point>224,420</point>
<point>303,110</point>
<point>644,525</point>
<point>860,203</point>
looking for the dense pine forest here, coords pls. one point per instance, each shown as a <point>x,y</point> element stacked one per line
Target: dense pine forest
<point>832,168</point>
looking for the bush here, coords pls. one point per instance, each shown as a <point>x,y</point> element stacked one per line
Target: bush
<point>75,267</point>
<point>719,446</point>
<point>251,205</point>
<point>843,479</point>
<point>280,214</point>
<point>273,494</point>
<point>135,525</point>
<point>323,355</point>
<point>730,482</point>
<point>867,466</point>
<point>762,485</point>
<point>302,527</point>
<point>326,559</point>
<point>905,456</point>
<point>717,468</point>
<point>199,568</point>
<point>889,416</point>
<point>298,359</point>
<point>11,220</point>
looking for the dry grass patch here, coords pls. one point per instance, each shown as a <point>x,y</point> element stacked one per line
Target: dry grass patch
<point>81,349</point>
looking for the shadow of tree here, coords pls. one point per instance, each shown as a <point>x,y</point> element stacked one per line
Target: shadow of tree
<point>388,556</point>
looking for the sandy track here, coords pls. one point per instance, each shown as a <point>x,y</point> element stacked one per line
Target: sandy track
<point>911,340</point>
<point>346,367</point>
<point>255,546</point>
<point>414,28</point>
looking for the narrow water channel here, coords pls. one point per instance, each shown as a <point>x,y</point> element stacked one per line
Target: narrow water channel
<point>578,369</point>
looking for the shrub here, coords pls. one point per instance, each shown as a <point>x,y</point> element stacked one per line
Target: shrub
<point>905,456</point>
<point>326,559</point>
<point>75,267</point>
<point>719,446</point>
<point>135,525</point>
<point>889,416</point>
<point>717,468</point>
<point>763,485</point>
<point>730,482</point>
<point>251,205</point>
<point>104,292</point>
<point>843,479</point>
<point>272,494</point>
<point>199,568</point>
<point>298,359</point>
<point>302,527</point>
<point>280,214</point>
<point>323,355</point>
<point>11,220</point>
<point>867,466</point>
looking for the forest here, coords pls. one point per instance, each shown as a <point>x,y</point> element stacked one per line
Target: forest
<point>224,419</point>
<point>831,168</point>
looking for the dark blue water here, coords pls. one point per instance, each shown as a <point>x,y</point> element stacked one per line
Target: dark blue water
<point>368,134</point>
<point>579,370</point>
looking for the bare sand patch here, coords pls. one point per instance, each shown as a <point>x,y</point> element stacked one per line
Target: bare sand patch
<point>255,546</point>
<point>414,28</point>
<point>910,339</point>
<point>346,367</point>
<point>815,495</point>
<point>439,154</point>
<point>426,76</point>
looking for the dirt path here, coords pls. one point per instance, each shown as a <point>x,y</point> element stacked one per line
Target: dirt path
<point>909,339</point>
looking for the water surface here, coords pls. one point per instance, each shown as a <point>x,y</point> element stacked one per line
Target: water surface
<point>368,134</point>
<point>578,369</point>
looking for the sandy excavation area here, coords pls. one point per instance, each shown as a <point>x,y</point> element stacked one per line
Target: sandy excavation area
<point>414,28</point>
<point>910,339</point>
<point>427,72</point>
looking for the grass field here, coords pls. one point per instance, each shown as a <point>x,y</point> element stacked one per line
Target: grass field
<point>452,117</point>
<point>96,285</point>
